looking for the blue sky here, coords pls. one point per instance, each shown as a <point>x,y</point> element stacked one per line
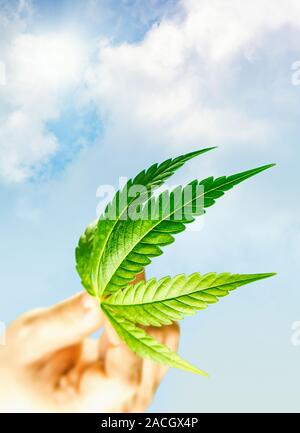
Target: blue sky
<point>95,90</point>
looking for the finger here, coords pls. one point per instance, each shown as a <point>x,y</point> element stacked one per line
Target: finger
<point>118,360</point>
<point>110,346</point>
<point>103,394</point>
<point>58,365</point>
<point>113,379</point>
<point>171,339</point>
<point>152,372</point>
<point>40,333</point>
<point>103,346</point>
<point>139,277</point>
<point>87,355</point>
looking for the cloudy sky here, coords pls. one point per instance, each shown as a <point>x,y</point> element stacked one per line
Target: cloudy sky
<point>97,89</point>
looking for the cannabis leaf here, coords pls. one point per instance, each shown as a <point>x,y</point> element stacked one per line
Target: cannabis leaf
<point>162,302</point>
<point>83,255</point>
<point>146,346</point>
<point>133,243</point>
<point>92,243</point>
<point>134,228</point>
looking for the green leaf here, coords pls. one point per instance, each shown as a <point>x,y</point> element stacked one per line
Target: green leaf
<point>128,245</point>
<point>162,302</point>
<point>115,211</point>
<point>83,253</point>
<point>115,248</point>
<point>146,346</point>
<point>93,241</point>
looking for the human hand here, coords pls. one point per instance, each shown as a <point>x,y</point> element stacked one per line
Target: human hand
<point>49,364</point>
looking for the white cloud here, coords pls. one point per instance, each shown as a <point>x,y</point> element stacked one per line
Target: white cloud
<point>24,144</point>
<point>48,61</point>
<point>174,82</point>
<point>175,85</point>
<point>220,29</point>
<point>40,71</point>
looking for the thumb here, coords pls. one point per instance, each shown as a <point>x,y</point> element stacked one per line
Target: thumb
<point>42,332</point>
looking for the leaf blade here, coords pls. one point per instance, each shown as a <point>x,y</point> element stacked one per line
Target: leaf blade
<point>154,177</point>
<point>146,346</point>
<point>159,231</point>
<point>82,255</point>
<point>156,303</point>
<point>93,241</point>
